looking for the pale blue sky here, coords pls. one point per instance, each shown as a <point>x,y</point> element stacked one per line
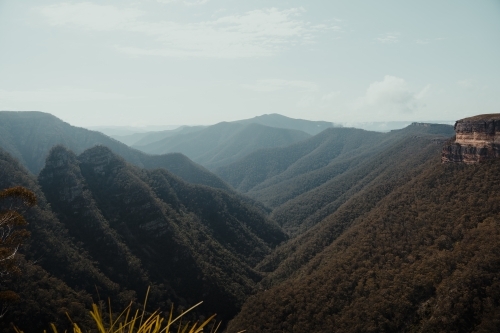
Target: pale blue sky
<point>169,62</point>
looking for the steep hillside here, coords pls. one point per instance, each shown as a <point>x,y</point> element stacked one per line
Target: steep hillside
<point>309,180</point>
<point>107,226</point>
<point>389,166</point>
<point>336,206</point>
<point>224,143</point>
<point>58,274</point>
<point>267,167</point>
<point>195,239</point>
<point>422,256</point>
<point>29,136</point>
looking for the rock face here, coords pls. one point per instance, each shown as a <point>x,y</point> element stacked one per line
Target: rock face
<point>477,139</point>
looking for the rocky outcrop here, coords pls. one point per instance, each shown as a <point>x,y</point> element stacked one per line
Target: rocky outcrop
<point>476,139</point>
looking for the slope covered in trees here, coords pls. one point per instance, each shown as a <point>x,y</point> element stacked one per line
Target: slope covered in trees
<point>29,136</point>
<point>268,167</point>
<point>419,255</point>
<point>49,249</point>
<point>104,224</point>
<point>385,238</point>
<point>224,143</point>
<point>309,180</point>
<point>315,232</point>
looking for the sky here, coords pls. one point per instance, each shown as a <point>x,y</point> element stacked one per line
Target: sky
<point>199,62</point>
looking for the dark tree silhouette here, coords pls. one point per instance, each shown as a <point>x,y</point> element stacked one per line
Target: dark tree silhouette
<point>12,234</point>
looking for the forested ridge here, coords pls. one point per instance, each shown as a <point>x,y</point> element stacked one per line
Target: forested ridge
<point>345,231</point>
<point>280,174</point>
<point>43,295</point>
<point>29,136</point>
<point>305,182</point>
<point>106,226</point>
<point>223,143</point>
<point>425,258</point>
<point>386,173</point>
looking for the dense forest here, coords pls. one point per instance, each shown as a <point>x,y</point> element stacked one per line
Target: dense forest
<point>423,259</point>
<point>103,225</point>
<point>309,180</point>
<point>343,231</point>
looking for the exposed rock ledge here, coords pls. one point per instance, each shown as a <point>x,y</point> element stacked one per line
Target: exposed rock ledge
<point>476,139</point>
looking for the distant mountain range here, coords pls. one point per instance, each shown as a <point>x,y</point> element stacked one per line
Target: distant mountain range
<point>224,143</point>
<point>129,130</point>
<point>346,230</point>
<point>307,181</point>
<point>29,136</point>
<point>141,138</point>
<point>387,126</point>
<point>279,121</point>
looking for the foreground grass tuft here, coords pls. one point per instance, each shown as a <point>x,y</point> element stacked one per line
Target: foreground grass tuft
<point>140,322</point>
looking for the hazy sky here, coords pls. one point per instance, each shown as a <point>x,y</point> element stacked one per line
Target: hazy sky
<point>171,62</point>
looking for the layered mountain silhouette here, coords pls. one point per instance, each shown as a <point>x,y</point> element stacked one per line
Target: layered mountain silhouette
<point>141,139</point>
<point>29,136</point>
<point>269,120</point>
<point>118,228</point>
<point>307,181</point>
<point>223,143</point>
<point>366,231</point>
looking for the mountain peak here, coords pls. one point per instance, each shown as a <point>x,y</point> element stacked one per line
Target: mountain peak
<point>60,156</point>
<point>100,158</point>
<point>277,120</point>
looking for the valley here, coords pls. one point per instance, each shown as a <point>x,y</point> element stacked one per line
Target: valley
<point>220,166</point>
<point>295,236</point>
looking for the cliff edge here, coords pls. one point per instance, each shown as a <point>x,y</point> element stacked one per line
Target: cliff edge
<point>476,139</point>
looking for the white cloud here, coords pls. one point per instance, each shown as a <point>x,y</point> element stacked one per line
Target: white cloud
<point>256,33</point>
<point>388,38</point>
<point>271,85</point>
<point>392,94</point>
<point>58,95</point>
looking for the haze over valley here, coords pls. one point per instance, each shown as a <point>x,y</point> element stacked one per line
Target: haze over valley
<point>220,166</point>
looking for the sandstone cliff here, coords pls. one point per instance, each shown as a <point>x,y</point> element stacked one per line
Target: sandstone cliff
<point>476,139</point>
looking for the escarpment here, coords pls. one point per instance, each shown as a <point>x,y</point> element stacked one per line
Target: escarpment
<point>476,139</point>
